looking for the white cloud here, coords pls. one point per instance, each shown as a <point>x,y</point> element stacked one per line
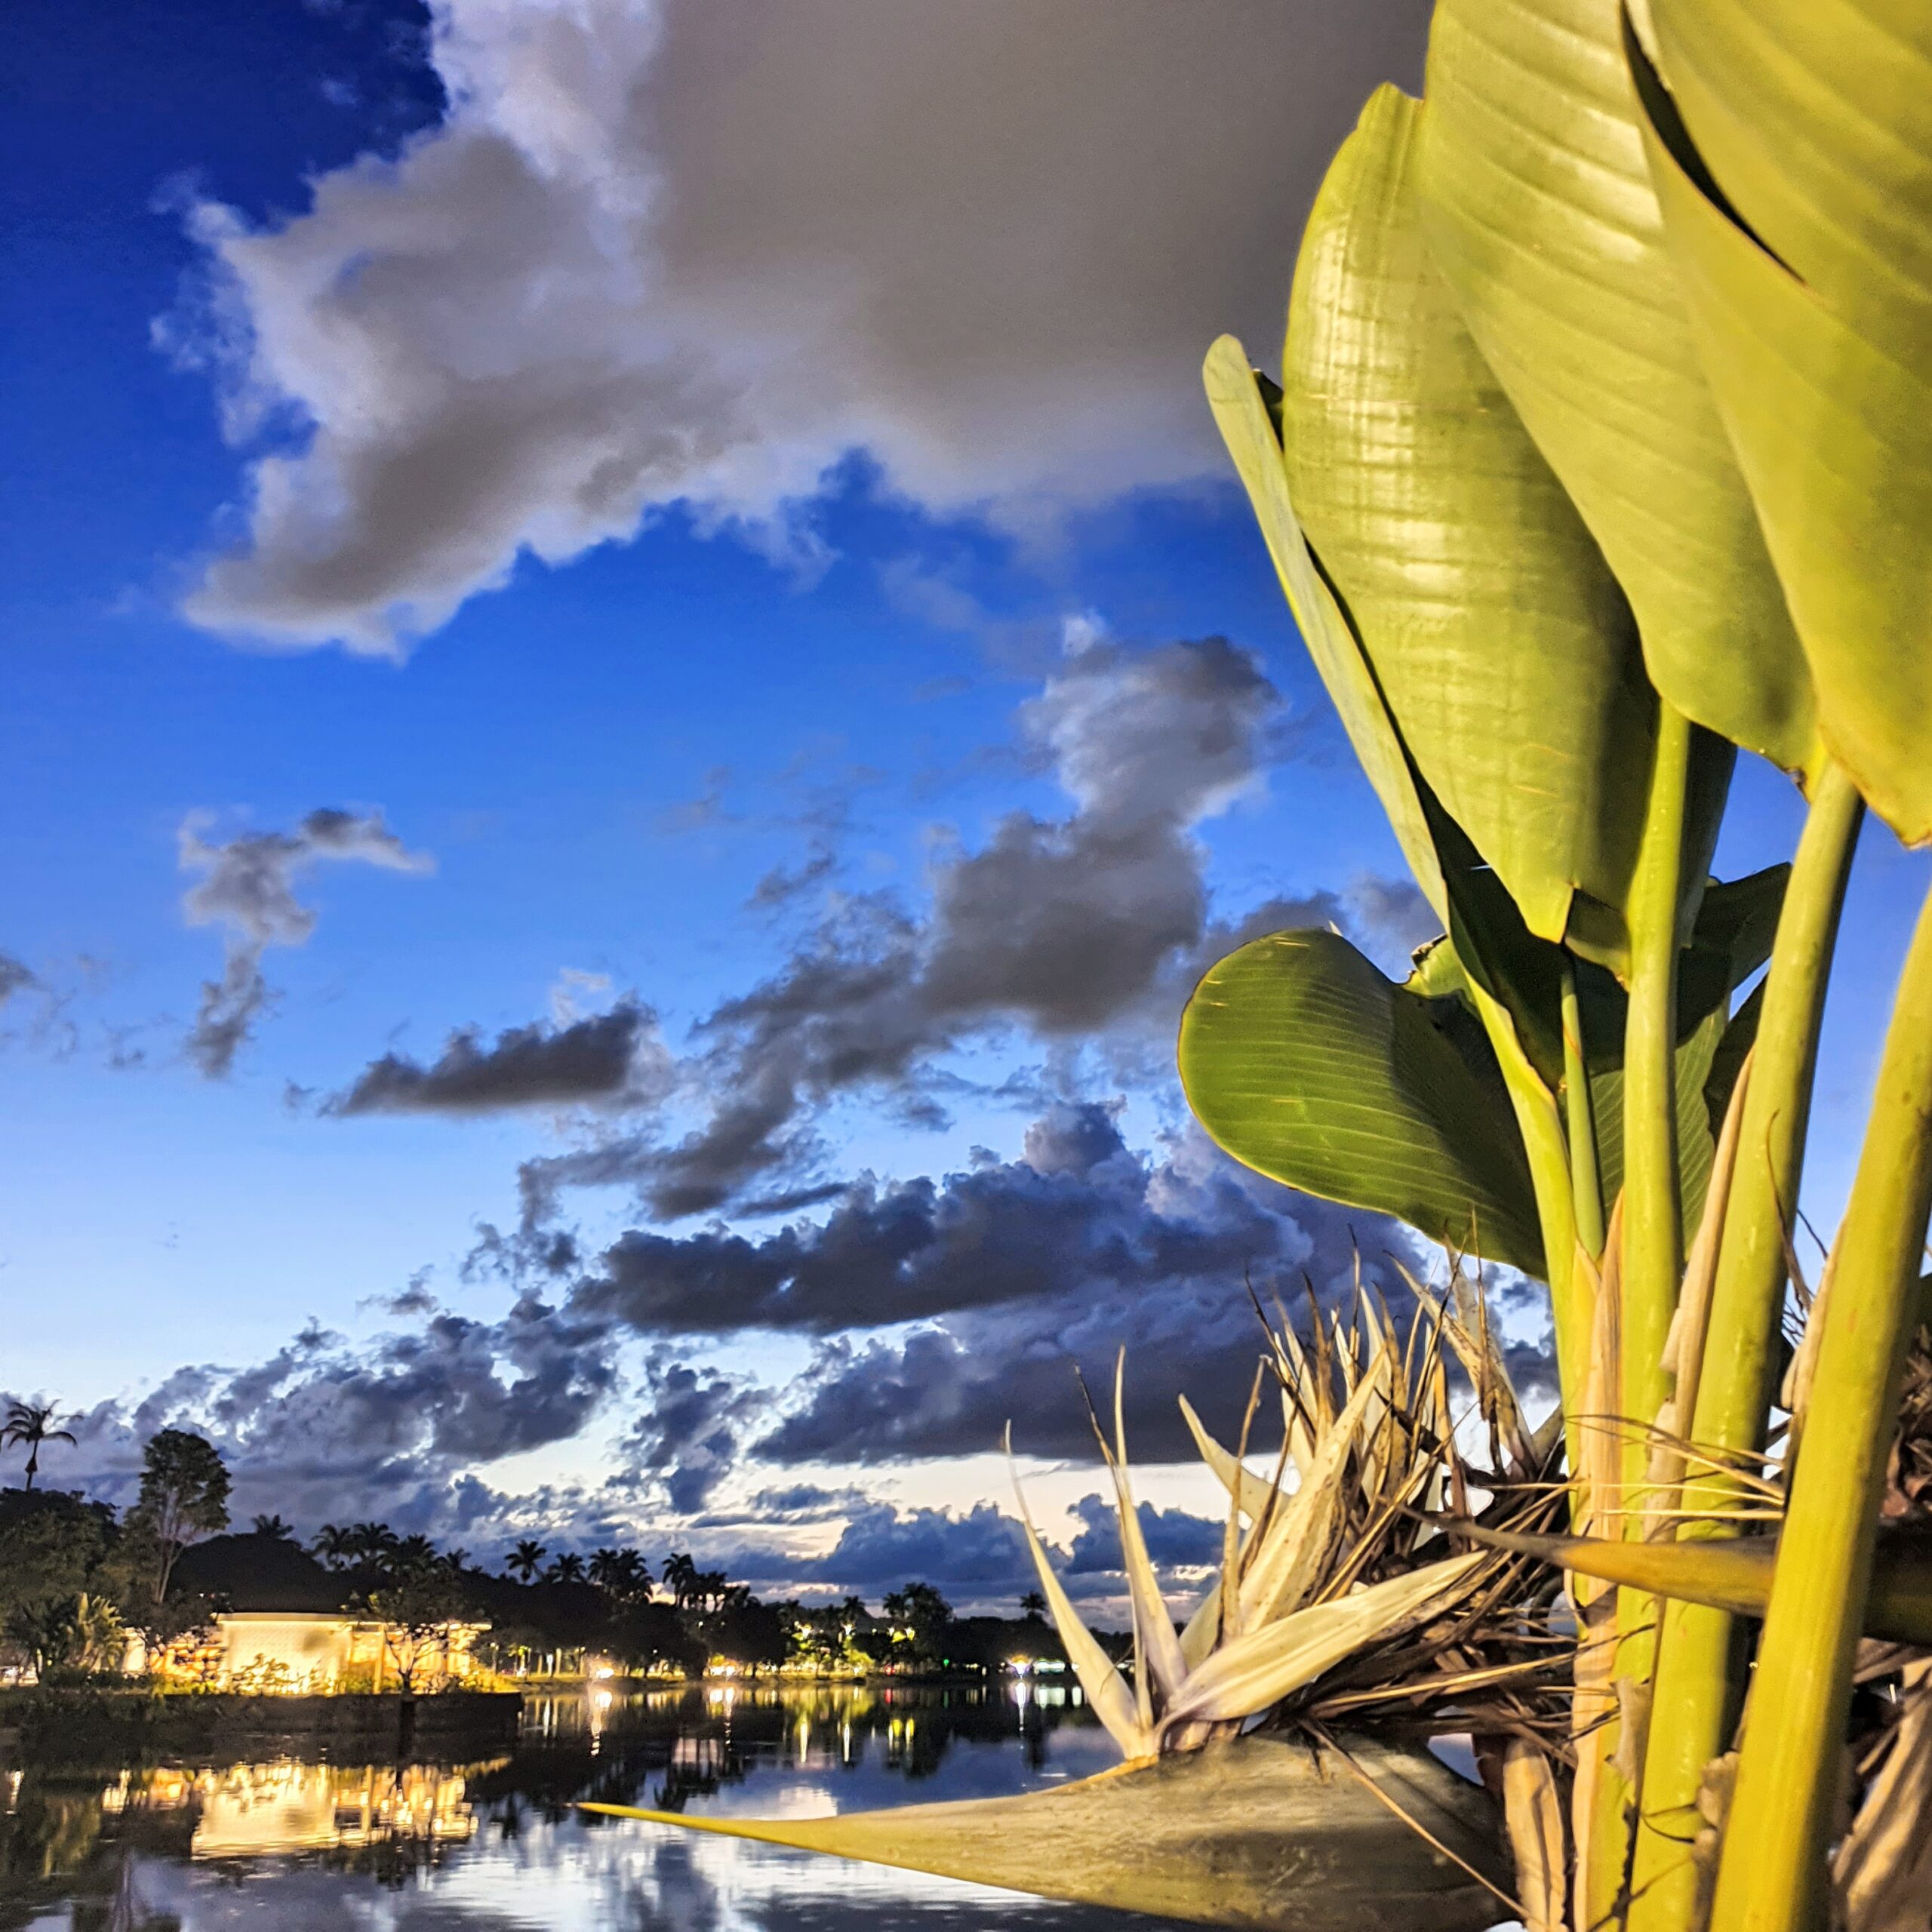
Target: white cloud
<point>699,250</point>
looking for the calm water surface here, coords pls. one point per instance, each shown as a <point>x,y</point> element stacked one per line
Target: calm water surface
<point>494,1844</point>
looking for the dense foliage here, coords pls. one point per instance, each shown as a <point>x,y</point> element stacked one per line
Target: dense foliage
<point>74,1578</point>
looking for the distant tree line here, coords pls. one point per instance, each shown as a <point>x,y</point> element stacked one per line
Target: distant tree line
<point>77,1579</point>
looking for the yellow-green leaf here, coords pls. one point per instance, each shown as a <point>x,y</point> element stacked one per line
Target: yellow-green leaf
<point>1796,189</point>
<point>1539,209</point>
<point>1734,1573</point>
<point>1235,395</point>
<point>1501,642</point>
<point>1303,1062</point>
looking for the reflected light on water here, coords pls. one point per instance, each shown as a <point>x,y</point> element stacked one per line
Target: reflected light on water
<point>495,1844</point>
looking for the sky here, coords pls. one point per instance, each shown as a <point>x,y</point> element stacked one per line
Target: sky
<point>635,693</point>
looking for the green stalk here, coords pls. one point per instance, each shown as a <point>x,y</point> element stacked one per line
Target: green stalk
<point>1700,1676</point>
<point>1771,1877</point>
<point>1652,1224</point>
<point>1541,1126</point>
<point>1587,1185</point>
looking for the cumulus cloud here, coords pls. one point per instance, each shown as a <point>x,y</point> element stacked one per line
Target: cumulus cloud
<point>604,1060</point>
<point>882,1548</point>
<point>326,1428</point>
<point>1175,1539</point>
<point>689,1433</point>
<point>663,252</point>
<point>1076,1211</point>
<point>1095,922</point>
<point>247,888</point>
<point>944,1309</point>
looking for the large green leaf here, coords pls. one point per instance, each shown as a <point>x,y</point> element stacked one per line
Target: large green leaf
<point>1259,1832</point>
<point>1793,164</point>
<point>1539,210</point>
<point>1234,394</point>
<point>1504,649</point>
<point>1302,1061</point>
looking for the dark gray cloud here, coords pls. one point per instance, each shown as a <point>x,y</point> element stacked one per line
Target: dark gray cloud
<point>1175,1539</point>
<point>15,977</point>
<point>325,1429</point>
<point>247,888</point>
<point>633,267</point>
<point>985,1290</point>
<point>1172,1293</point>
<point>1095,923</point>
<point>783,885</point>
<point>689,1435</point>
<point>591,1062</point>
<point>1077,1212</point>
<point>882,1548</point>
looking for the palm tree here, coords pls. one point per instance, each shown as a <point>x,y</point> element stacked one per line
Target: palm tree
<point>1033,1605</point>
<point>273,1526</point>
<point>681,1578</point>
<point>27,1424</point>
<point>568,1568</point>
<point>603,1568</point>
<point>335,1545</point>
<point>370,1542</point>
<point>525,1560</point>
<point>416,1553</point>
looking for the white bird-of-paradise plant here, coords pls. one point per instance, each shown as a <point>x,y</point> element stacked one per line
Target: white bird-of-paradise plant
<point>1236,1804</point>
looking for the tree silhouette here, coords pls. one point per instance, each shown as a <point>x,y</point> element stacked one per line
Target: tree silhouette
<point>274,1526</point>
<point>334,1545</point>
<point>621,1574</point>
<point>681,1579</point>
<point>372,1543</point>
<point>567,1568</point>
<point>410,1553</point>
<point>1033,1605</point>
<point>525,1560</point>
<point>184,1494</point>
<point>28,1426</point>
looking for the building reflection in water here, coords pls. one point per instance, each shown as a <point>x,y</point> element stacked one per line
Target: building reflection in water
<point>82,1835</point>
<point>253,1810</point>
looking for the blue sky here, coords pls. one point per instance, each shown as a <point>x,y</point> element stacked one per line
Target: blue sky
<point>719,511</point>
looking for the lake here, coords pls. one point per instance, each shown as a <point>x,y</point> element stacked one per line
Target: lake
<point>494,1844</point>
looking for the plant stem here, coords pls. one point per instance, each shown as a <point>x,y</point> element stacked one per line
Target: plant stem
<point>1541,1126</point>
<point>1586,1187</point>
<point>1699,1684</point>
<point>1653,1225</point>
<point>1772,1874</point>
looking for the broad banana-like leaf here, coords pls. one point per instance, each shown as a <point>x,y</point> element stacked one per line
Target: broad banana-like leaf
<point>1502,645</point>
<point>1258,1833</point>
<point>1247,427</point>
<point>1790,142</point>
<point>1734,1574</point>
<point>1303,1062</point>
<point>1539,210</point>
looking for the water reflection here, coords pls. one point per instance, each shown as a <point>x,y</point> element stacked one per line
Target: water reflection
<point>494,1843</point>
